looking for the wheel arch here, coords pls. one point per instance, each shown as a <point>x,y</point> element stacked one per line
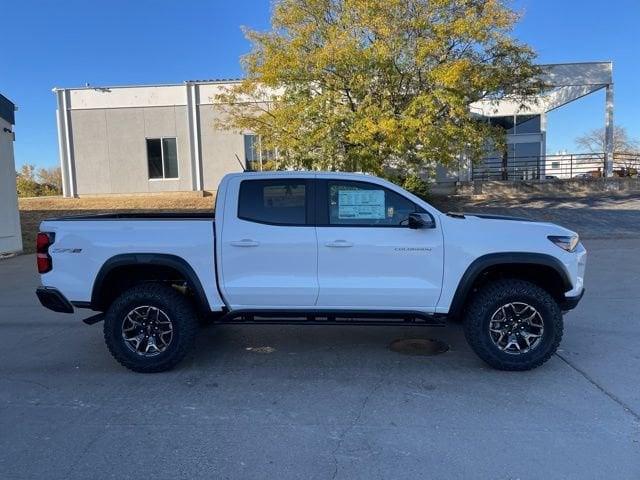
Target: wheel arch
<point>133,267</point>
<point>542,269</point>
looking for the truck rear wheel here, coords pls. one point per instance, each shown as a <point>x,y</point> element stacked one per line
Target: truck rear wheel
<point>150,328</point>
<point>513,325</point>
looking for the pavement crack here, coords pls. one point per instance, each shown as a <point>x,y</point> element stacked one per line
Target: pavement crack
<point>593,382</point>
<point>22,380</point>
<point>355,422</point>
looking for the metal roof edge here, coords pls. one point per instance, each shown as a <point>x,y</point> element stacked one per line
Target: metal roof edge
<point>147,85</point>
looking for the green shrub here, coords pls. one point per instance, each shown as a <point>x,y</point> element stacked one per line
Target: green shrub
<point>28,187</point>
<point>46,182</point>
<point>416,185</point>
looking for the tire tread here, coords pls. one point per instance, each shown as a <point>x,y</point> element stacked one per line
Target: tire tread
<point>182,312</point>
<point>479,307</point>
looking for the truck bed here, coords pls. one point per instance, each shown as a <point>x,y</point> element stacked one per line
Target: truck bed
<point>84,243</point>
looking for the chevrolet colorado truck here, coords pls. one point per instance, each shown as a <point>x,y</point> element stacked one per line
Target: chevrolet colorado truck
<point>312,248</point>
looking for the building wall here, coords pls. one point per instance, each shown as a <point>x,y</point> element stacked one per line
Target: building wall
<point>105,130</point>
<point>219,148</point>
<point>110,151</point>
<point>10,235</point>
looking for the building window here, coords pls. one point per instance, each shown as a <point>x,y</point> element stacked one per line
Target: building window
<point>507,122</point>
<point>251,150</point>
<point>518,124</point>
<point>255,157</point>
<point>528,124</point>
<point>162,158</point>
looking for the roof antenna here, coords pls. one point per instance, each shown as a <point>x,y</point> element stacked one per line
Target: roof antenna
<point>240,162</point>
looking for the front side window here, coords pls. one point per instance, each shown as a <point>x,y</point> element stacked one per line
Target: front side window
<point>162,158</point>
<point>365,204</point>
<point>276,202</point>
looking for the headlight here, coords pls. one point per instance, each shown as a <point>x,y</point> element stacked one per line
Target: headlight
<point>568,243</point>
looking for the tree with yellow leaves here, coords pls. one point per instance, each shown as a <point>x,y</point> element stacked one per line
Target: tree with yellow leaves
<point>379,85</point>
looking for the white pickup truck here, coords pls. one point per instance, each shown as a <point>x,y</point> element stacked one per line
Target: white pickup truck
<point>313,248</point>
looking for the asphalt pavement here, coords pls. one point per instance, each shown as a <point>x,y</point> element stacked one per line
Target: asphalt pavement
<point>323,402</point>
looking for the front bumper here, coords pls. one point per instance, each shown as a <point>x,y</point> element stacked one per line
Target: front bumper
<point>53,299</point>
<point>570,303</point>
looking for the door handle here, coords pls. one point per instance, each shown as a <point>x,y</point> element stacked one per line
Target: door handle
<point>339,244</point>
<point>245,242</point>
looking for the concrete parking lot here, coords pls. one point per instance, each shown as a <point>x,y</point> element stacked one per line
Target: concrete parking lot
<point>327,402</point>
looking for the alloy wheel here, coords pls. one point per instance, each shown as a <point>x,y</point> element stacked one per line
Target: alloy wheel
<point>147,331</point>
<point>516,328</point>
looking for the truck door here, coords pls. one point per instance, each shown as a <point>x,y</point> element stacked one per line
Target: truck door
<point>269,255</point>
<point>368,257</point>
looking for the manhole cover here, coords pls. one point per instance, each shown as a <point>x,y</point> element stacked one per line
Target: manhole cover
<point>418,346</point>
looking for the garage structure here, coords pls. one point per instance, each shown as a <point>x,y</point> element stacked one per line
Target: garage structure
<point>10,234</point>
<point>526,126</point>
<point>155,138</point>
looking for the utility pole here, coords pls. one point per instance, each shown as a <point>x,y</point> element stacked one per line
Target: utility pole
<point>608,132</point>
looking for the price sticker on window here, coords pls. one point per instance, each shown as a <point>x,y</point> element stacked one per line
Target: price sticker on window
<point>361,204</point>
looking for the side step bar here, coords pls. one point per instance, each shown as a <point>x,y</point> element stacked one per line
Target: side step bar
<point>331,317</point>
<point>94,319</point>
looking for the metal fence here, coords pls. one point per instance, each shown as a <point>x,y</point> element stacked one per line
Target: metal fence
<point>549,167</point>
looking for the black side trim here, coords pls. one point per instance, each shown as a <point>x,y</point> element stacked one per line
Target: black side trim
<point>94,319</point>
<point>165,260</point>
<point>81,304</point>
<point>53,299</point>
<point>507,258</point>
<point>570,303</point>
<point>331,317</point>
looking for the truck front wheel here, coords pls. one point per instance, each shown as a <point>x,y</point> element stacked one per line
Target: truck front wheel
<point>513,324</point>
<point>150,328</point>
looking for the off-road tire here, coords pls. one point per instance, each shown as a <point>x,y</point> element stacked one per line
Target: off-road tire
<point>175,305</point>
<point>491,297</point>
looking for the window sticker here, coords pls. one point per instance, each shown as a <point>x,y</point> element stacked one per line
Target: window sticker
<point>361,204</point>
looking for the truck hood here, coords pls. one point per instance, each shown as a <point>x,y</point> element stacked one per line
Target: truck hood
<point>505,223</point>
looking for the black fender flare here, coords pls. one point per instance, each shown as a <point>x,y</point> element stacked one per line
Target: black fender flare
<point>480,264</point>
<point>157,259</point>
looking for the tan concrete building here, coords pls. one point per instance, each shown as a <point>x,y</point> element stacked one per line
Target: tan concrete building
<point>152,138</point>
<point>10,236</point>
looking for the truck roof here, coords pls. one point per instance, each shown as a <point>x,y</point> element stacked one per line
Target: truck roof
<point>300,174</point>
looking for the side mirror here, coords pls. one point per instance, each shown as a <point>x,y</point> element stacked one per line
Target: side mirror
<point>421,220</point>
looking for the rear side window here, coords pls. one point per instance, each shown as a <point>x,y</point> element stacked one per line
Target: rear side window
<point>276,202</point>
